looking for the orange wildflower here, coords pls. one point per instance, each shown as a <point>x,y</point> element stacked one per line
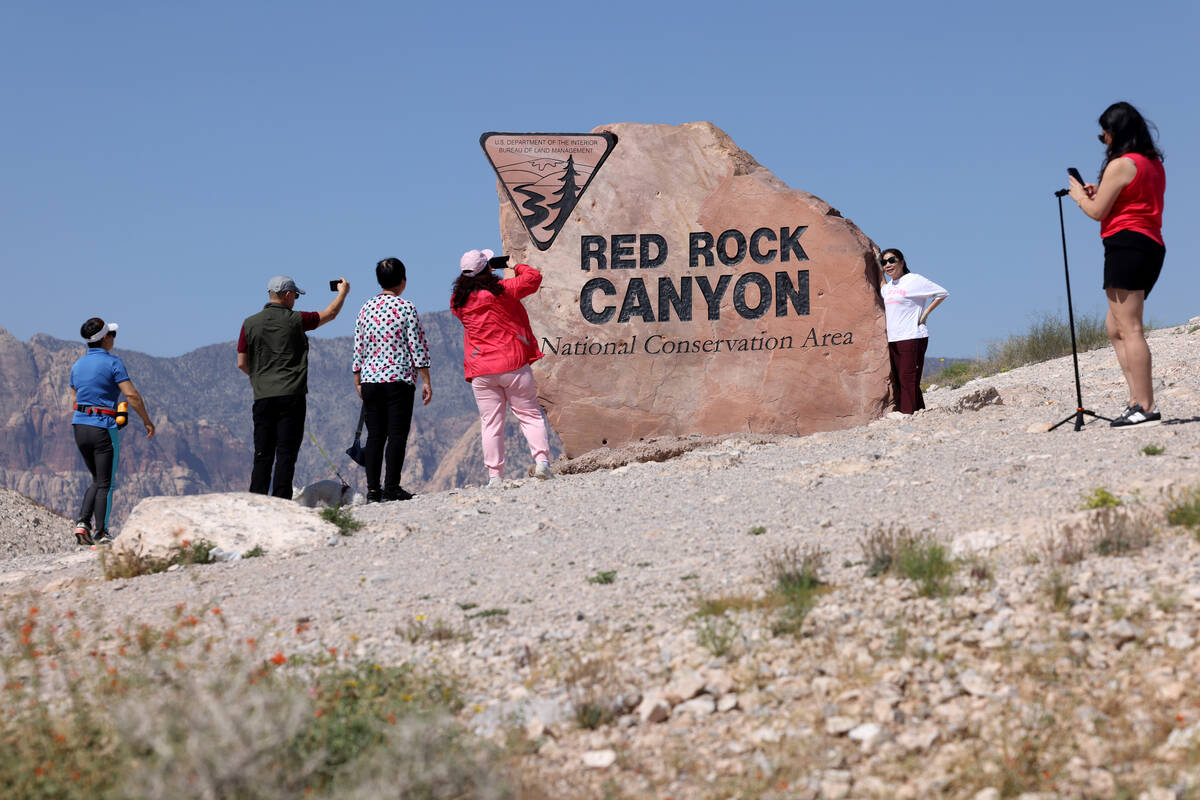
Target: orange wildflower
<point>278,658</point>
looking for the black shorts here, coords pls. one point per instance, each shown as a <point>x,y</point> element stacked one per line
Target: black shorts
<point>1132,261</point>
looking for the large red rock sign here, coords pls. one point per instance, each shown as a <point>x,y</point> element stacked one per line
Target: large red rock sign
<point>690,291</point>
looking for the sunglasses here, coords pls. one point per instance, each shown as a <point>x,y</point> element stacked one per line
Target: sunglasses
<point>890,260</point>
<point>1100,136</point>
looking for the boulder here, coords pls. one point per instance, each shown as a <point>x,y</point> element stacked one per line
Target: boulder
<point>690,291</point>
<point>236,522</point>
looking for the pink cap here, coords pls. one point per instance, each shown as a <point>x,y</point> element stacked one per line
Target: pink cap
<point>473,261</point>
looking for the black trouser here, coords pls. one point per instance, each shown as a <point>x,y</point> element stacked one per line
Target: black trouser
<point>99,448</point>
<point>278,434</point>
<point>387,411</point>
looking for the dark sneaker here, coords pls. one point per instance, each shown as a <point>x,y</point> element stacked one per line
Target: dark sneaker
<point>374,496</point>
<point>102,538</point>
<point>1136,415</point>
<point>83,533</point>
<point>397,494</point>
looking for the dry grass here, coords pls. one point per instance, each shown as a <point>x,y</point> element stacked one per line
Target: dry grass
<point>133,563</point>
<point>1106,530</point>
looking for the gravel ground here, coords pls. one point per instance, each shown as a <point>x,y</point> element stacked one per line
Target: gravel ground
<point>981,480</point>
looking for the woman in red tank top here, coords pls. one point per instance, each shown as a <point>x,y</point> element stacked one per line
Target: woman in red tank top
<point>1128,202</point>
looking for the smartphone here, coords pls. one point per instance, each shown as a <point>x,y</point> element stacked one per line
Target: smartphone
<point>333,284</point>
<point>1074,173</point>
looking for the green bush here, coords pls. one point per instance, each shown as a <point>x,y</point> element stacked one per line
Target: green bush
<point>1185,510</point>
<point>795,581</point>
<point>1099,497</point>
<point>342,518</point>
<point>927,563</point>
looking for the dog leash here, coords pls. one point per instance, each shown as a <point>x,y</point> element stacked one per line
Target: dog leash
<point>328,460</point>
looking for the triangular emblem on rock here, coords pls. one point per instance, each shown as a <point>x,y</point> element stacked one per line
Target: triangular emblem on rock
<point>545,175</point>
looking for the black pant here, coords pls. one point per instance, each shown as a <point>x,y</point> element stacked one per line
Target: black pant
<point>278,434</point>
<point>387,411</point>
<point>99,448</point>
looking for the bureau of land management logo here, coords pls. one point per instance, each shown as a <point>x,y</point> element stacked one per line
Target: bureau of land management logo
<point>545,174</point>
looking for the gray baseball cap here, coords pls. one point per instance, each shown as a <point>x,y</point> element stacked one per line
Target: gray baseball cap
<point>282,283</point>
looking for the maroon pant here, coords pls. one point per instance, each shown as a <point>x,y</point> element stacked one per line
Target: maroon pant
<point>908,360</point>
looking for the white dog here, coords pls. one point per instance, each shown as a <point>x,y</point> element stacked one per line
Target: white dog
<point>326,493</point>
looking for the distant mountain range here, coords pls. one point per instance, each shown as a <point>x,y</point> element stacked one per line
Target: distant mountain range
<point>201,404</point>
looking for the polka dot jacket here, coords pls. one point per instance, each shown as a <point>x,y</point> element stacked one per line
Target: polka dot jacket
<point>389,342</point>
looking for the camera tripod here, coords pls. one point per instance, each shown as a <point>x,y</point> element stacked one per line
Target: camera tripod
<point>1080,412</point>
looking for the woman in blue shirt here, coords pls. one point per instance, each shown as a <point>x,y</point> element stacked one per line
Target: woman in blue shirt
<point>98,379</point>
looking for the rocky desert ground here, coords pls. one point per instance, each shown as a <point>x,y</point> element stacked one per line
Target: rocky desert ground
<point>636,630</point>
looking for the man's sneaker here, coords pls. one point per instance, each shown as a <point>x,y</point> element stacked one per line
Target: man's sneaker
<point>83,533</point>
<point>101,539</point>
<point>494,481</point>
<point>397,494</point>
<point>541,471</point>
<point>374,496</point>
<point>1136,415</point>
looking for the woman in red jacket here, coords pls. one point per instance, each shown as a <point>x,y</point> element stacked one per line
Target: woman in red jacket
<point>1128,202</point>
<point>498,347</point>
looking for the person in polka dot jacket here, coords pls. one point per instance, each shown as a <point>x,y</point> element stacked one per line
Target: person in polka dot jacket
<point>389,351</point>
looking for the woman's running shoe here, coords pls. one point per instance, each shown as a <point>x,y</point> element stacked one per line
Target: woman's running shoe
<point>1136,415</point>
<point>83,533</point>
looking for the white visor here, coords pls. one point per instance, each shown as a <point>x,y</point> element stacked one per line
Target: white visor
<point>100,334</point>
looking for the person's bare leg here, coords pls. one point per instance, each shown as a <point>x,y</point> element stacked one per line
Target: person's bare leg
<point>1114,336</point>
<point>1125,308</point>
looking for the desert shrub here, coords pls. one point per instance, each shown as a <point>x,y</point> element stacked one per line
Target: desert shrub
<point>793,574</point>
<point>1048,336</point>
<point>716,634</point>
<point>1107,530</point>
<point>1099,497</point>
<point>159,714</point>
<point>1185,509</point>
<point>879,547</point>
<point>591,688</point>
<point>1056,588</point>
<point>928,563</point>
<point>341,517</point>
<point>132,563</point>
<point>956,374</point>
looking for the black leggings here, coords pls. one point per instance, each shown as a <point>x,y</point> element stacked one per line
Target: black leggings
<point>99,448</point>
<point>387,411</point>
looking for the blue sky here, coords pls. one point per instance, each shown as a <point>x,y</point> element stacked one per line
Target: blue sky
<point>160,161</point>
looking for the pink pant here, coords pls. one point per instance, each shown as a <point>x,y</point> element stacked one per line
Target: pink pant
<point>494,394</point>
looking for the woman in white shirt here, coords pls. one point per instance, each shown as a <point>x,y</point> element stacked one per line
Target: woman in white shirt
<point>908,300</point>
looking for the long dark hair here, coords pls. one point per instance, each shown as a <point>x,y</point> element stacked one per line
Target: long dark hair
<point>465,284</point>
<point>1130,131</point>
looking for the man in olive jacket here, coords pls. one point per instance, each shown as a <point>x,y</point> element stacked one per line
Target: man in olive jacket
<point>273,350</point>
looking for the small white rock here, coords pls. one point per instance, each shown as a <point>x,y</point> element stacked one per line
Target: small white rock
<point>868,735</point>
<point>599,759</point>
<point>700,706</point>
<point>837,726</point>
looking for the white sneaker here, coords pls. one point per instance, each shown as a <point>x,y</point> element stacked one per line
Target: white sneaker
<point>494,481</point>
<point>541,471</point>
